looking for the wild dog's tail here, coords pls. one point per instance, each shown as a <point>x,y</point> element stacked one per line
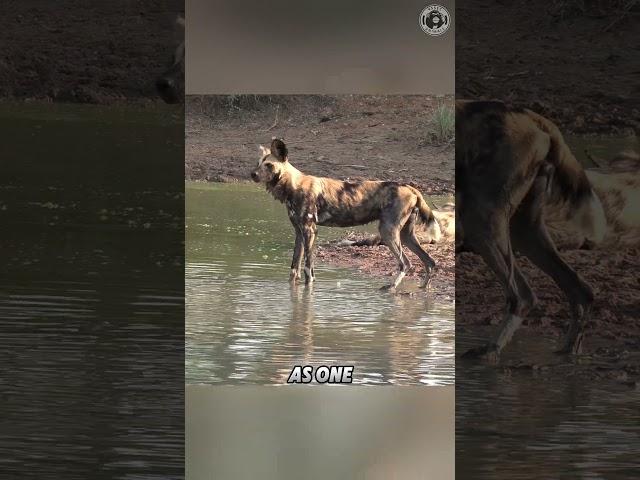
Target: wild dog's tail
<point>427,217</point>
<point>569,182</point>
<point>570,192</point>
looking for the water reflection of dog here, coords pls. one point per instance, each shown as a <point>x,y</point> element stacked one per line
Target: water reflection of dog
<point>300,330</point>
<point>405,348</point>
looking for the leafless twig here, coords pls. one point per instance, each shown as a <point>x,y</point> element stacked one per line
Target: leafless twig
<point>275,122</point>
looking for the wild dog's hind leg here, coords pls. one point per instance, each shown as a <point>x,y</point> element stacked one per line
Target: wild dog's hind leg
<point>390,236</point>
<point>532,239</point>
<point>408,236</point>
<point>489,237</point>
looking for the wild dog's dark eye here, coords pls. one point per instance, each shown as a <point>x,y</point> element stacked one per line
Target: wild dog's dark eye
<point>270,166</point>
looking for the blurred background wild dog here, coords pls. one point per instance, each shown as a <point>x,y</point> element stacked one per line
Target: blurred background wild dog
<point>511,165</point>
<point>520,188</point>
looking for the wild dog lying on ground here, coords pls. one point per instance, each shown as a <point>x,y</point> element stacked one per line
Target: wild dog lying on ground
<point>510,163</point>
<point>617,185</point>
<point>313,201</point>
<point>170,84</point>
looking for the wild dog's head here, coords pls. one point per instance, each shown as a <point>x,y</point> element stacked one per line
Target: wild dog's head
<point>272,163</point>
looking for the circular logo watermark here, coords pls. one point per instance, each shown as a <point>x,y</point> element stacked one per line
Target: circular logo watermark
<point>435,20</point>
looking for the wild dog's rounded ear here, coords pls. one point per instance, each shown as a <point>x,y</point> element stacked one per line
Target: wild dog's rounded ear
<point>264,150</point>
<point>279,149</point>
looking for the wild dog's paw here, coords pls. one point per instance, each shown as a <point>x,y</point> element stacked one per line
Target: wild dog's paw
<point>309,276</point>
<point>294,276</point>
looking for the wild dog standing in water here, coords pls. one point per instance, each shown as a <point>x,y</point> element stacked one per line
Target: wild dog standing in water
<point>313,201</point>
<point>170,84</point>
<point>509,164</point>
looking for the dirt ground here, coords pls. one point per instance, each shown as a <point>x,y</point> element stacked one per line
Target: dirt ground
<point>378,261</point>
<point>613,331</point>
<point>347,137</point>
<point>86,52</point>
<point>573,61</point>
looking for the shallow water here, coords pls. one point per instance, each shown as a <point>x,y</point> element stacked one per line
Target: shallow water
<point>542,422</point>
<point>91,292</point>
<point>247,324</point>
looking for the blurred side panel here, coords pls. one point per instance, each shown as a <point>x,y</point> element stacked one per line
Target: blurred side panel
<point>92,269</point>
<point>333,47</point>
<point>317,433</point>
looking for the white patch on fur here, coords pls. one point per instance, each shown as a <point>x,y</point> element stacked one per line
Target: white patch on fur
<point>345,243</point>
<point>508,327</point>
<point>398,279</point>
<point>433,230</point>
<point>307,271</point>
<point>265,153</point>
<point>590,220</point>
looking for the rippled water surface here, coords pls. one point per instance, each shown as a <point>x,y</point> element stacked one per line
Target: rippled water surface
<point>543,422</point>
<point>247,324</point>
<point>91,293</point>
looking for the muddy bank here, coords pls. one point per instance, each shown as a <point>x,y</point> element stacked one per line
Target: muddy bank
<point>615,320</point>
<point>86,52</point>
<point>379,262</point>
<point>568,60</point>
<point>347,137</point>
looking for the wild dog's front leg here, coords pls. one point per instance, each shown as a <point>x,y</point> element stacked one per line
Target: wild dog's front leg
<point>296,263</point>
<point>309,231</point>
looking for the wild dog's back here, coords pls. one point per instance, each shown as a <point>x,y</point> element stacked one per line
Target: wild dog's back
<point>346,203</point>
<point>571,198</point>
<point>499,146</point>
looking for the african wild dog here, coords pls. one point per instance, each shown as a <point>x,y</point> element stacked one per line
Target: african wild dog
<point>170,84</point>
<point>313,201</point>
<point>511,164</point>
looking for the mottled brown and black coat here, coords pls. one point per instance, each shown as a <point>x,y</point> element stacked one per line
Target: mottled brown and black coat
<point>313,201</point>
<point>512,165</point>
